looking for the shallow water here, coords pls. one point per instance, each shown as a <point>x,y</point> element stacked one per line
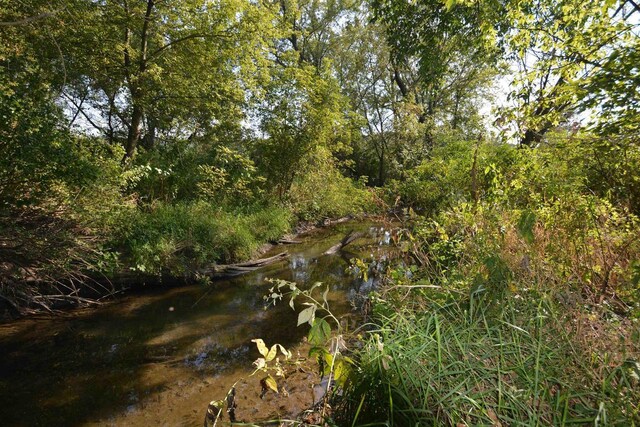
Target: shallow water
<point>158,357</point>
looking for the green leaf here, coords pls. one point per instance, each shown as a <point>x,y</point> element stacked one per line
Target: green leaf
<point>317,351</point>
<point>328,361</point>
<point>341,371</point>
<point>525,225</point>
<point>320,332</point>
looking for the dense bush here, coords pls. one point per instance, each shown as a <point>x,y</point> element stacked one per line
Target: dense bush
<point>323,192</point>
<point>456,171</point>
<point>210,168</point>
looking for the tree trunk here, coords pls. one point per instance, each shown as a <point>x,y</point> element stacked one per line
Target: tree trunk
<point>530,138</point>
<point>474,174</point>
<point>456,119</point>
<point>134,132</point>
<point>381,168</point>
<point>400,82</point>
<point>136,92</point>
<point>149,139</point>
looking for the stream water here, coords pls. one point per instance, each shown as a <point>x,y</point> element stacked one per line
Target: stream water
<point>157,357</point>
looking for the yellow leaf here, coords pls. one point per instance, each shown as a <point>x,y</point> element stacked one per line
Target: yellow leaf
<point>262,348</point>
<point>272,353</point>
<point>271,383</point>
<point>287,354</point>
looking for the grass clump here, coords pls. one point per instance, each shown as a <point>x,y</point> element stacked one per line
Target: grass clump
<point>517,363</point>
<point>185,236</point>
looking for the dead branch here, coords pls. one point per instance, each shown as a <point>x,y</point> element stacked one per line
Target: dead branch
<point>348,239</point>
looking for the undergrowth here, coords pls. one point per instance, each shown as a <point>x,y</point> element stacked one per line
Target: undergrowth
<point>518,299</point>
<point>323,192</point>
<point>520,362</point>
<point>186,236</point>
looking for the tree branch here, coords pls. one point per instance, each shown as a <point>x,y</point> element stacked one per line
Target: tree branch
<point>183,39</point>
<point>145,35</point>
<point>635,5</point>
<point>75,116</point>
<point>27,20</point>
<point>84,114</point>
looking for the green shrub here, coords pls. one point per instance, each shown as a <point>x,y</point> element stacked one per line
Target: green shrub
<point>322,191</point>
<point>524,310</point>
<point>187,171</point>
<point>447,177</point>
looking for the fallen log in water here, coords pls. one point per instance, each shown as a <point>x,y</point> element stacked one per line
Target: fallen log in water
<point>288,242</point>
<point>348,239</point>
<point>231,270</point>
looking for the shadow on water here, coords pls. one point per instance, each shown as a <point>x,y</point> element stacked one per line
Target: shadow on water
<point>99,366</point>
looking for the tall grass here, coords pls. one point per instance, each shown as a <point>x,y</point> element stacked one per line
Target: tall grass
<point>523,302</point>
<point>185,236</point>
<point>475,363</point>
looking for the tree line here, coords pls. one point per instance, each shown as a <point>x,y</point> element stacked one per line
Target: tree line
<point>115,113</point>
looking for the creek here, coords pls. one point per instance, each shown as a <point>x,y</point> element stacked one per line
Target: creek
<point>158,356</point>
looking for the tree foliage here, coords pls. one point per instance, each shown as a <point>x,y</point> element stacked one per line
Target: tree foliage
<point>558,47</point>
<point>140,71</point>
<point>440,52</point>
<point>118,112</point>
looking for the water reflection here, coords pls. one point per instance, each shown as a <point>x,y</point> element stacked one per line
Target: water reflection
<point>161,355</point>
